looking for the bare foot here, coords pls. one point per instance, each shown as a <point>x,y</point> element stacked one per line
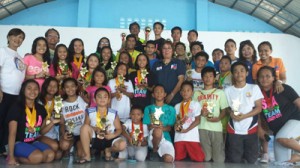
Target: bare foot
<point>295,158</point>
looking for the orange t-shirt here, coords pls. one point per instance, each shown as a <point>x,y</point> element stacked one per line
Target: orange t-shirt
<point>275,63</point>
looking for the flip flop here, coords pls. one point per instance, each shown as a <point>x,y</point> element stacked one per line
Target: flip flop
<point>83,161</point>
<point>109,158</point>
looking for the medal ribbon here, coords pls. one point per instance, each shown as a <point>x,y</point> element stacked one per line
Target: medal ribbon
<point>98,118</point>
<point>31,116</point>
<point>78,63</point>
<point>268,99</point>
<point>141,134</point>
<point>184,108</point>
<point>222,78</point>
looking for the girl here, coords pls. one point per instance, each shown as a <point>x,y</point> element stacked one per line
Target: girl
<point>104,134</point>
<point>247,54</point>
<point>92,62</point>
<point>142,87</point>
<point>127,59</point>
<point>25,121</point>
<point>76,54</point>
<point>103,42</point>
<point>106,60</point>
<point>73,111</point>
<point>36,68</point>
<point>50,136</point>
<point>121,91</point>
<point>99,79</point>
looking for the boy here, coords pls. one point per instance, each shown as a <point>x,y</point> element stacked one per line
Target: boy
<point>160,119</point>
<point>158,28</point>
<point>150,52</point>
<point>214,104</point>
<point>187,136</point>
<point>176,33</point>
<point>230,48</point>
<point>180,51</point>
<point>224,78</point>
<point>136,134</point>
<point>196,47</point>
<point>134,29</point>
<point>129,47</point>
<point>217,54</point>
<point>245,101</point>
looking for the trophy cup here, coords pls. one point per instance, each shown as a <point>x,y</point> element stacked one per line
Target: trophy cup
<point>123,37</point>
<point>121,85</point>
<point>235,106</point>
<point>45,68</point>
<point>103,128</point>
<point>147,32</point>
<point>63,67</point>
<point>144,73</point>
<point>70,127</point>
<point>210,106</point>
<point>113,65</point>
<point>82,73</point>
<point>179,122</point>
<point>155,116</point>
<point>57,106</point>
<point>136,137</point>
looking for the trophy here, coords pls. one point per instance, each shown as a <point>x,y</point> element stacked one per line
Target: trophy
<point>113,65</point>
<point>136,138</point>
<point>123,35</point>
<point>155,116</point>
<point>179,122</point>
<point>103,128</point>
<point>57,106</point>
<point>121,79</point>
<point>209,106</point>
<point>70,127</point>
<point>235,106</point>
<point>63,67</point>
<point>45,67</point>
<point>144,73</point>
<point>147,32</point>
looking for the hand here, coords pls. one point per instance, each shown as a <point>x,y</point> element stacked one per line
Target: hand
<point>122,89</point>
<point>130,141</point>
<point>169,98</point>
<point>237,117</point>
<point>142,86</point>
<point>1,95</point>
<point>67,136</point>
<point>12,161</point>
<point>55,121</point>
<point>278,87</point>
<point>204,112</point>
<point>213,119</point>
<point>40,75</point>
<point>184,131</point>
<point>46,74</point>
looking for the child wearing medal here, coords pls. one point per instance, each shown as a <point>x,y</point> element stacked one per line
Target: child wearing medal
<point>186,140</point>
<point>136,134</point>
<point>76,55</point>
<point>101,128</point>
<point>25,121</point>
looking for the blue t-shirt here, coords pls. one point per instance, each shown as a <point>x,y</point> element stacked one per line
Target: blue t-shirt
<point>152,62</point>
<point>208,64</point>
<point>168,117</point>
<point>249,78</point>
<point>217,64</point>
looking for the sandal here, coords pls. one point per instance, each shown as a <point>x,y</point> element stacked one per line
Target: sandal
<point>108,156</point>
<point>83,161</point>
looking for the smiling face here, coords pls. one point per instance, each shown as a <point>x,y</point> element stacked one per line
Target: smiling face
<point>159,93</point>
<point>93,61</point>
<point>124,58</point>
<point>264,52</point>
<point>192,36</point>
<point>105,54</point>
<point>102,98</point>
<point>41,47</point>
<point>157,29</point>
<point>186,92</point>
<point>70,88</point>
<point>136,116</point>
<point>265,78</point>
<point>247,52</point>
<point>239,73</point>
<point>103,42</point>
<point>52,37</point>
<point>208,79</point>
<point>230,48</point>
<point>142,61</point>
<point>176,35</point>
<point>52,89</point>
<point>167,51</point>
<point>15,41</point>
<point>31,91</point>
<point>122,70</point>
<point>196,49</point>
<point>62,53</point>
<point>224,65</point>
<point>78,47</point>
<point>180,50</point>
<point>99,78</point>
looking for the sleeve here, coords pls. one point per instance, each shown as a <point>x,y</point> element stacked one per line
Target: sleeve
<point>223,100</point>
<point>146,119</point>
<point>127,124</point>
<point>197,110</point>
<point>111,84</point>
<point>181,68</point>
<point>27,60</point>
<point>13,114</point>
<point>254,71</point>
<point>146,132</point>
<point>177,108</point>
<point>172,117</point>
<point>130,87</point>
<point>2,57</point>
<point>257,93</point>
<point>281,66</point>
<point>291,94</point>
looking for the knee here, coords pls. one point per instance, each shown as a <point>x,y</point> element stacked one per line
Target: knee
<point>168,158</point>
<point>64,145</point>
<point>49,156</point>
<point>120,145</point>
<point>84,129</point>
<point>36,157</point>
<point>54,146</point>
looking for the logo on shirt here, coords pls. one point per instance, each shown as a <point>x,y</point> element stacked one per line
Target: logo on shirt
<point>174,66</point>
<point>159,68</point>
<point>19,64</point>
<point>271,112</point>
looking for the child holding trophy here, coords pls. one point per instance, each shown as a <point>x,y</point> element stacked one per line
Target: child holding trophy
<point>245,101</point>
<point>121,91</point>
<point>160,119</point>
<point>214,105</point>
<point>188,118</point>
<point>101,127</point>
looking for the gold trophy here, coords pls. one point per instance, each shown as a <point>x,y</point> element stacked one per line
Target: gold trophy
<point>235,106</point>
<point>113,65</point>
<point>210,106</point>
<point>144,73</point>
<point>123,37</point>
<point>179,122</point>
<point>45,68</point>
<point>147,32</point>
<point>81,78</point>
<point>121,85</point>
<point>135,137</point>
<point>155,116</point>
<point>57,106</point>
<point>70,127</point>
<point>63,67</point>
<point>103,128</point>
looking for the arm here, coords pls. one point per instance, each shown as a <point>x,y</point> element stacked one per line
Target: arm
<point>193,125</point>
<point>257,109</point>
<point>219,118</point>
<point>118,129</point>
<point>46,128</point>
<point>126,135</point>
<point>297,102</point>
<point>11,141</point>
<point>176,89</point>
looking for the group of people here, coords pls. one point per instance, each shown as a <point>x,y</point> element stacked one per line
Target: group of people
<point>157,95</point>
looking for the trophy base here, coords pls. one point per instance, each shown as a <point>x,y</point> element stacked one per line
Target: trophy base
<point>70,134</point>
<point>210,116</point>
<point>56,116</point>
<point>236,113</point>
<point>156,123</point>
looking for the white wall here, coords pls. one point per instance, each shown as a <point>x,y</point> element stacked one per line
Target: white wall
<point>284,46</point>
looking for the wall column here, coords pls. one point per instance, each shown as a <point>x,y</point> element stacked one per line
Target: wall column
<point>83,19</point>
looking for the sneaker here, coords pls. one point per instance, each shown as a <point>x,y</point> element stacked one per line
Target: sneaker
<point>264,158</point>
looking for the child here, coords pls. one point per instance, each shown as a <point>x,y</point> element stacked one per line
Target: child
<point>230,48</point>
<point>92,62</point>
<point>72,112</point>
<point>76,54</point>
<point>150,52</point>
<point>142,87</point>
<point>217,54</point>
<point>158,28</point>
<point>136,134</point>
<point>34,62</point>
<point>101,127</point>
<point>159,137</point>
<point>224,78</point>
<point>129,47</point>
<point>50,89</point>
<point>196,47</point>
<point>176,33</point>
<point>98,80</point>
<point>245,101</point>
<point>103,42</point>
<point>122,91</point>
<point>106,60</point>
<point>126,59</point>
<point>187,136</point>
<point>25,120</point>
<point>214,104</point>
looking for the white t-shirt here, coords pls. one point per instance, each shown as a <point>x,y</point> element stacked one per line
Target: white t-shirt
<point>247,97</point>
<point>193,134</point>
<point>12,71</point>
<point>74,111</point>
<point>197,80</point>
<point>122,105</point>
<point>128,126</point>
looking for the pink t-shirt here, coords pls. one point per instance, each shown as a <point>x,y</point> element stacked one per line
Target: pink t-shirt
<point>34,67</point>
<point>91,91</point>
<point>52,72</point>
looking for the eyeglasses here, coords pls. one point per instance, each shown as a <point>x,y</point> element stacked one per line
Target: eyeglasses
<point>104,43</point>
<point>52,36</point>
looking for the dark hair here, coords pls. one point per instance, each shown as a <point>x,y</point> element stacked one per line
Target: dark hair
<point>46,55</point>
<point>202,54</point>
<point>98,49</point>
<point>45,87</point>
<point>158,85</point>
<point>65,96</point>
<point>193,31</point>
<point>207,70</point>
<point>197,43</point>
<point>137,107</point>
<point>71,50</point>
<point>130,36</point>
<point>150,42</point>
<point>15,32</point>
<point>188,83</point>
<point>132,24</point>
<point>108,65</point>
<point>159,23</point>
<point>218,49</point>
<point>176,28</point>
<point>265,43</point>
<point>226,57</point>
<point>56,59</point>
<point>99,69</point>
<point>136,62</point>
<point>242,45</point>
<point>167,42</point>
<point>239,63</point>
<point>130,64</point>
<point>116,70</point>
<point>101,89</point>
<point>229,40</point>
<point>271,69</point>
<point>52,29</point>
<point>21,97</point>
<point>90,56</point>
<point>180,43</point>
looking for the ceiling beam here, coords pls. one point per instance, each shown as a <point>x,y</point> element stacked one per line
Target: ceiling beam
<point>286,29</point>
<point>233,4</point>
<point>251,13</point>
<point>283,7</point>
<point>24,4</point>
<point>6,9</point>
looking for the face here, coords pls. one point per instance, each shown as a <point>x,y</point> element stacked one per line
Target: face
<point>52,37</point>
<point>200,62</point>
<point>265,78</point>
<point>136,115</point>
<point>130,43</point>
<point>62,53</point>
<point>180,50</point>
<point>157,29</point>
<point>224,65</point>
<point>135,30</point>
<point>159,93</point>
<point>106,54</point>
<point>104,42</point>
<point>192,37</point>
<point>142,61</point>
<point>102,98</point>
<point>230,48</point>
<point>208,79</point>
<point>93,62</point>
<point>31,91</point>
<point>186,92</point>
<point>52,88</point>
<point>70,88</point>
<point>41,47</point>
<point>99,77</point>
<point>124,58</point>
<point>78,47</point>
<point>247,52</point>
<point>176,35</point>
<point>150,49</point>
<point>196,49</point>
<point>217,55</point>
<point>122,70</point>
<point>15,41</point>
<point>264,52</point>
<point>239,73</point>
<point>167,51</point>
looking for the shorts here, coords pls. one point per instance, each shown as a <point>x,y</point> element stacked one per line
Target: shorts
<point>102,143</point>
<point>23,149</point>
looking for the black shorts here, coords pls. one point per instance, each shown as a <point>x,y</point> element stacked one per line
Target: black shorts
<point>101,144</point>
